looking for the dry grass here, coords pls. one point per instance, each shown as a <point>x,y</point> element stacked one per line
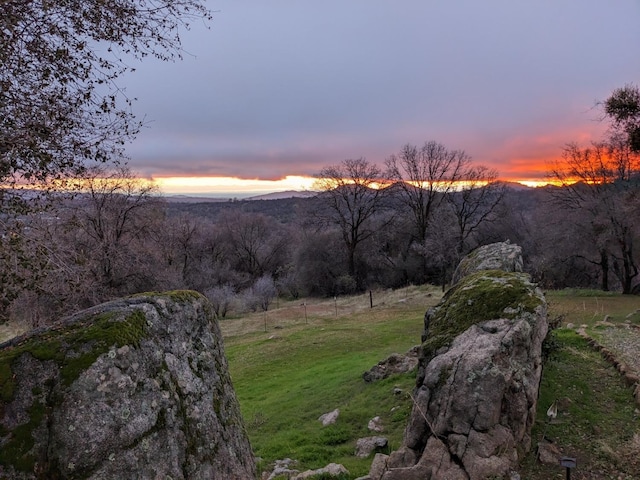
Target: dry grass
<point>318,311</point>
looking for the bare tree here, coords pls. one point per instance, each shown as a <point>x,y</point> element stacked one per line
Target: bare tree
<point>602,180</point>
<point>111,217</point>
<point>260,294</point>
<point>221,298</point>
<point>61,110</point>
<point>475,203</point>
<point>424,175</point>
<point>257,244</point>
<point>60,105</point>
<point>352,193</point>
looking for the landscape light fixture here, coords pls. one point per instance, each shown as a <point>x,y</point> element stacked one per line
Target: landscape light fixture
<point>568,463</point>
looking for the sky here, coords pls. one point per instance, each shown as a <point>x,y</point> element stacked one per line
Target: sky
<point>270,92</point>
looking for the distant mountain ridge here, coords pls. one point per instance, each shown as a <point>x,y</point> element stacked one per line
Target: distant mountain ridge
<point>285,194</point>
<point>267,196</point>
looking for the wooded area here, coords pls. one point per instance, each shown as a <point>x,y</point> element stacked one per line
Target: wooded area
<point>78,228</point>
<point>119,238</point>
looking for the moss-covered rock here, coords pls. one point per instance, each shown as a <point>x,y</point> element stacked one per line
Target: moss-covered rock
<point>503,256</point>
<point>480,296</point>
<point>478,375</point>
<point>136,388</point>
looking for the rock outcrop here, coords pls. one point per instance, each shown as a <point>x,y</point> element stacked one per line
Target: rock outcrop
<point>135,388</point>
<point>392,365</point>
<point>503,256</point>
<point>478,378</point>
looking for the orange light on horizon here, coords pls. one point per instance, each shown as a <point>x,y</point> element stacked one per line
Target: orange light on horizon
<point>531,172</point>
<point>230,185</point>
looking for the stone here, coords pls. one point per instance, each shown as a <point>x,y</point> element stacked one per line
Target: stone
<point>329,418</point>
<point>477,380</point>
<point>367,445</point>
<point>283,468</point>
<point>375,425</point>
<point>394,364</point>
<point>502,256</point>
<point>378,466</point>
<point>331,470</point>
<point>549,453</point>
<point>134,388</point>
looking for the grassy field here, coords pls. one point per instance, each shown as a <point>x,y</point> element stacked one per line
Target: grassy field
<point>288,368</point>
<point>288,376</point>
<point>305,358</point>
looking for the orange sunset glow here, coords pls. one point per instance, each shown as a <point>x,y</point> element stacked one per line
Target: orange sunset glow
<point>233,186</point>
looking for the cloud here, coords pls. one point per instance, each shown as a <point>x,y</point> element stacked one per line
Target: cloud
<point>281,88</point>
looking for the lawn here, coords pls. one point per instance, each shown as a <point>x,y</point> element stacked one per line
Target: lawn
<point>288,376</point>
<point>306,358</point>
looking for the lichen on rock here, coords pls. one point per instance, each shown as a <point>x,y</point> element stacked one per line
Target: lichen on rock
<point>504,256</point>
<point>480,296</point>
<point>478,378</point>
<point>135,388</point>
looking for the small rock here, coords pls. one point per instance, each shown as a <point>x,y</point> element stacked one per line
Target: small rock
<point>375,424</point>
<point>397,391</point>
<point>548,453</point>
<point>331,470</point>
<point>395,363</point>
<point>329,418</point>
<point>367,445</point>
<point>282,468</point>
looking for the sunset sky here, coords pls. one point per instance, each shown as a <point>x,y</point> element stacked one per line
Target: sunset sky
<point>276,90</point>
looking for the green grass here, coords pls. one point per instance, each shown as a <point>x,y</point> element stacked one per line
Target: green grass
<point>286,377</point>
<point>586,307</point>
<point>597,418</point>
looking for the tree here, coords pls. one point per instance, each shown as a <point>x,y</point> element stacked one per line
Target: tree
<point>351,192</point>
<point>221,298</point>
<point>257,244</point>
<point>112,215</point>
<point>424,175</point>
<point>61,110</point>
<point>60,106</point>
<point>260,294</point>
<point>603,181</point>
<point>623,109</point>
<point>475,203</point>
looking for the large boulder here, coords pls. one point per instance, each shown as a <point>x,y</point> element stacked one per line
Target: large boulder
<point>503,256</point>
<point>478,380</point>
<point>135,388</point>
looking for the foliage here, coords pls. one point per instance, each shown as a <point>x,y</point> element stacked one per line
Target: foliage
<point>60,106</point>
<point>623,108</point>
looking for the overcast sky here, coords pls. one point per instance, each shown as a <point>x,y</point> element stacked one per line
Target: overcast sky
<point>276,88</point>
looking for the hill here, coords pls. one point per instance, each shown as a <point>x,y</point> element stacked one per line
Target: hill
<point>307,357</point>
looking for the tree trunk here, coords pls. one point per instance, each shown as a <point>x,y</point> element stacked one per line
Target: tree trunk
<point>604,265</point>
